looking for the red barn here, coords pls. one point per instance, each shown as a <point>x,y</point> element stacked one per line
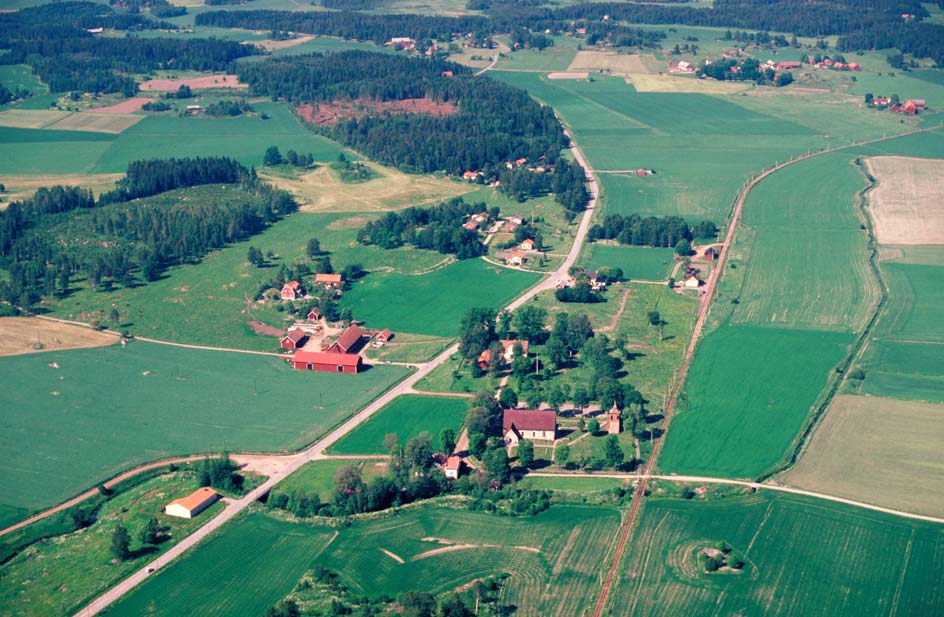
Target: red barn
<point>349,341</point>
<point>327,362</point>
<point>294,339</point>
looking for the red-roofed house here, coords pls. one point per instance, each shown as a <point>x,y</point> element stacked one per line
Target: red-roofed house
<point>785,66</point>
<point>192,504</point>
<point>527,244</point>
<point>509,346</point>
<point>515,258</point>
<point>381,339</point>
<point>329,280</point>
<point>518,424</point>
<point>919,104</point>
<point>327,362</point>
<point>294,339</point>
<point>453,467</point>
<point>348,342</point>
<point>292,290</point>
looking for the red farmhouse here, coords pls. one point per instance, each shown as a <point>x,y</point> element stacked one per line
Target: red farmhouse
<point>327,362</point>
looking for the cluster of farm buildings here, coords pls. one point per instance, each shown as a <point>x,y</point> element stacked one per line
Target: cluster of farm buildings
<point>909,108</point>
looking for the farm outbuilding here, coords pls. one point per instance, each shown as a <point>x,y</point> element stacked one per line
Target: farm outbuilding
<point>193,504</point>
<point>327,362</point>
<point>453,467</point>
<point>329,280</point>
<point>294,339</point>
<point>348,342</point>
<point>383,337</point>
<point>518,424</point>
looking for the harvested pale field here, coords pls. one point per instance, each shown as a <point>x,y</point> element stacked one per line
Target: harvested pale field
<point>23,186</point>
<point>96,122</point>
<point>269,44</point>
<point>612,62</point>
<point>323,191</point>
<point>22,335</point>
<point>877,450</point>
<point>30,118</point>
<point>666,83</point>
<point>127,106</point>
<point>196,83</point>
<point>567,75</point>
<point>907,205</point>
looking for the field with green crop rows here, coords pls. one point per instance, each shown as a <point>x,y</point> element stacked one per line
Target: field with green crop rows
<point>406,416</point>
<point>877,450</point>
<point>261,558</point>
<point>649,264</point>
<point>903,369</point>
<point>808,263</point>
<point>748,394</point>
<point>79,417</point>
<point>804,557</point>
<point>210,303</point>
<point>56,576</point>
<point>435,302</point>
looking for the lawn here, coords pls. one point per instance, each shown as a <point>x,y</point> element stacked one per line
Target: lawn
<point>261,558</point>
<point>318,476</point>
<point>637,262</point>
<point>56,576</point>
<point>748,396</point>
<point>435,302</point>
<point>877,450</point>
<point>79,417</point>
<point>210,303</point>
<point>804,557</point>
<point>406,416</point>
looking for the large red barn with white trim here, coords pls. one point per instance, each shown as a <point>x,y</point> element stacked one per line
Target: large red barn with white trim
<point>327,362</point>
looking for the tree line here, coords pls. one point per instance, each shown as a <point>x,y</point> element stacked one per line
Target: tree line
<point>53,40</point>
<point>567,181</point>
<point>650,231</point>
<point>438,228</point>
<point>61,232</point>
<point>729,69</point>
<point>150,177</point>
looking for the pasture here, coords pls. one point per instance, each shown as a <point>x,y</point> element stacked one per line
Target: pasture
<point>436,550</point>
<point>406,416</point>
<point>808,264</point>
<point>57,576</point>
<point>409,348</point>
<point>322,190</point>
<point>749,393</point>
<point>318,476</point>
<point>22,335</point>
<point>907,205</point>
<point>803,556</point>
<point>210,302</point>
<point>433,303</point>
<point>79,417</point>
<point>637,262</point>
<point>877,450</point>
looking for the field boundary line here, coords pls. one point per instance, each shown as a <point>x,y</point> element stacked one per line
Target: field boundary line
<point>702,316</point>
<point>756,486</point>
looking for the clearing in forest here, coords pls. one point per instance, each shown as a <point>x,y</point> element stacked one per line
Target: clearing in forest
<point>205,82</point>
<point>907,205</point>
<point>21,335</point>
<point>322,190</point>
<point>877,450</point>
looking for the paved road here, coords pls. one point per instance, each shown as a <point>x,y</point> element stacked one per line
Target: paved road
<point>745,483</point>
<point>317,450</point>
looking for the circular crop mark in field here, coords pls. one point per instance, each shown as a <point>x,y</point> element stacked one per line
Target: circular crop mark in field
<point>685,561</point>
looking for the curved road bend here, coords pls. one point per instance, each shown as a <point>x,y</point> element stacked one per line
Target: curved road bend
<point>317,449</point>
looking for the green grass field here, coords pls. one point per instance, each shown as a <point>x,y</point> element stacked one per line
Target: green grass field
<point>804,557</point>
<point>407,417</point>
<point>904,369</point>
<point>80,417</point>
<point>261,558</point>
<point>435,302</point>
<point>575,485</point>
<point>808,263</point>
<point>748,394</point>
<point>649,264</point>
<point>877,450</point>
<point>210,303</point>
<point>915,303</point>
<point>57,576</point>
<point>318,476</point>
